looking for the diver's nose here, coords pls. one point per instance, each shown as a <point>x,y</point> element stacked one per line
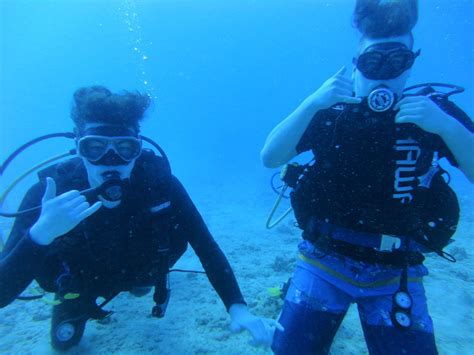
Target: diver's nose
<point>112,159</point>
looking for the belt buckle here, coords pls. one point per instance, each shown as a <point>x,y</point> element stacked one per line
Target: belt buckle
<point>389,243</point>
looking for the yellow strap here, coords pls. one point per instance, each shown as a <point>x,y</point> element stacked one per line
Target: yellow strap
<point>334,273</point>
<point>269,223</point>
<point>28,172</point>
<point>67,296</point>
<point>71,296</point>
<point>50,301</point>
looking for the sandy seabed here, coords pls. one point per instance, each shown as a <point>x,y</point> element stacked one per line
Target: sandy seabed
<point>196,321</point>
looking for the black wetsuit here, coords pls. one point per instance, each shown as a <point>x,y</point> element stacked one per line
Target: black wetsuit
<point>114,250</point>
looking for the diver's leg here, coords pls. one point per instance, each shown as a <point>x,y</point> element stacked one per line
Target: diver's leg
<point>383,338</point>
<point>311,316</point>
<point>67,324</point>
<point>177,249</point>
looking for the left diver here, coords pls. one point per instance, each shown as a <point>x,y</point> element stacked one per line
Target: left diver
<point>125,238</point>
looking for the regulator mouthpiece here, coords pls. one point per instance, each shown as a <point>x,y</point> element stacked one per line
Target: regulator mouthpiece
<point>112,187</point>
<point>381,99</point>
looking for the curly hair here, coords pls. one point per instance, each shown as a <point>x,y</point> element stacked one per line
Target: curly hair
<point>385,18</point>
<point>97,104</point>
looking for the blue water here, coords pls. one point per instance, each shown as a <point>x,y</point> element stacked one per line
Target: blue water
<point>222,73</point>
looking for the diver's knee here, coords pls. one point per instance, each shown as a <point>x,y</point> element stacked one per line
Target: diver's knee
<point>383,339</point>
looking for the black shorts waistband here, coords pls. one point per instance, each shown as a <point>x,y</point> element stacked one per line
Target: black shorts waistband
<point>331,238</point>
<point>395,258</point>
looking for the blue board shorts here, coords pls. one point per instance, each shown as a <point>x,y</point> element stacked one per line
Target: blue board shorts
<point>321,291</point>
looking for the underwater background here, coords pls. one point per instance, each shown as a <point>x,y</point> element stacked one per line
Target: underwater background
<point>222,74</point>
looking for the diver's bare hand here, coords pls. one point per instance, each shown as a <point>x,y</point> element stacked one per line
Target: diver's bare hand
<point>60,214</point>
<point>261,329</point>
<point>423,112</point>
<point>337,89</point>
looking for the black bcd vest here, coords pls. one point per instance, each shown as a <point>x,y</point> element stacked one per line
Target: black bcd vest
<point>113,250</point>
<point>367,175</point>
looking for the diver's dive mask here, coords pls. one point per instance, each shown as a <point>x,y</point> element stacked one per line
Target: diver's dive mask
<point>384,61</point>
<point>109,146</point>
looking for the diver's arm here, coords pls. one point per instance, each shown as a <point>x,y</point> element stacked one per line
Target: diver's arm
<point>447,121</point>
<point>190,226</point>
<point>280,146</point>
<point>18,268</point>
<point>460,142</point>
<point>20,258</point>
<point>23,223</point>
<point>281,143</point>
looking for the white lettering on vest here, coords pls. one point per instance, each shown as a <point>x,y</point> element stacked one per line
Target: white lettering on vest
<point>408,153</point>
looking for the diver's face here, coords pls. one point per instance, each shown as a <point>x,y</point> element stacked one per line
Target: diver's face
<point>111,162</point>
<point>364,86</point>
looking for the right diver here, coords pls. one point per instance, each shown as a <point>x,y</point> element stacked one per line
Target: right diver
<point>375,198</point>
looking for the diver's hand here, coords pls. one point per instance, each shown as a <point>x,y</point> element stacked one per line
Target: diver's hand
<point>337,89</point>
<point>261,329</point>
<point>423,112</point>
<point>60,214</point>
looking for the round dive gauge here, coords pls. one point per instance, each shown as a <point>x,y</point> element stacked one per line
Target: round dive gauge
<point>403,300</point>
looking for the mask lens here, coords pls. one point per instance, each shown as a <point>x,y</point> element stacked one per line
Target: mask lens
<point>127,148</point>
<point>400,61</point>
<point>369,63</point>
<point>92,148</point>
